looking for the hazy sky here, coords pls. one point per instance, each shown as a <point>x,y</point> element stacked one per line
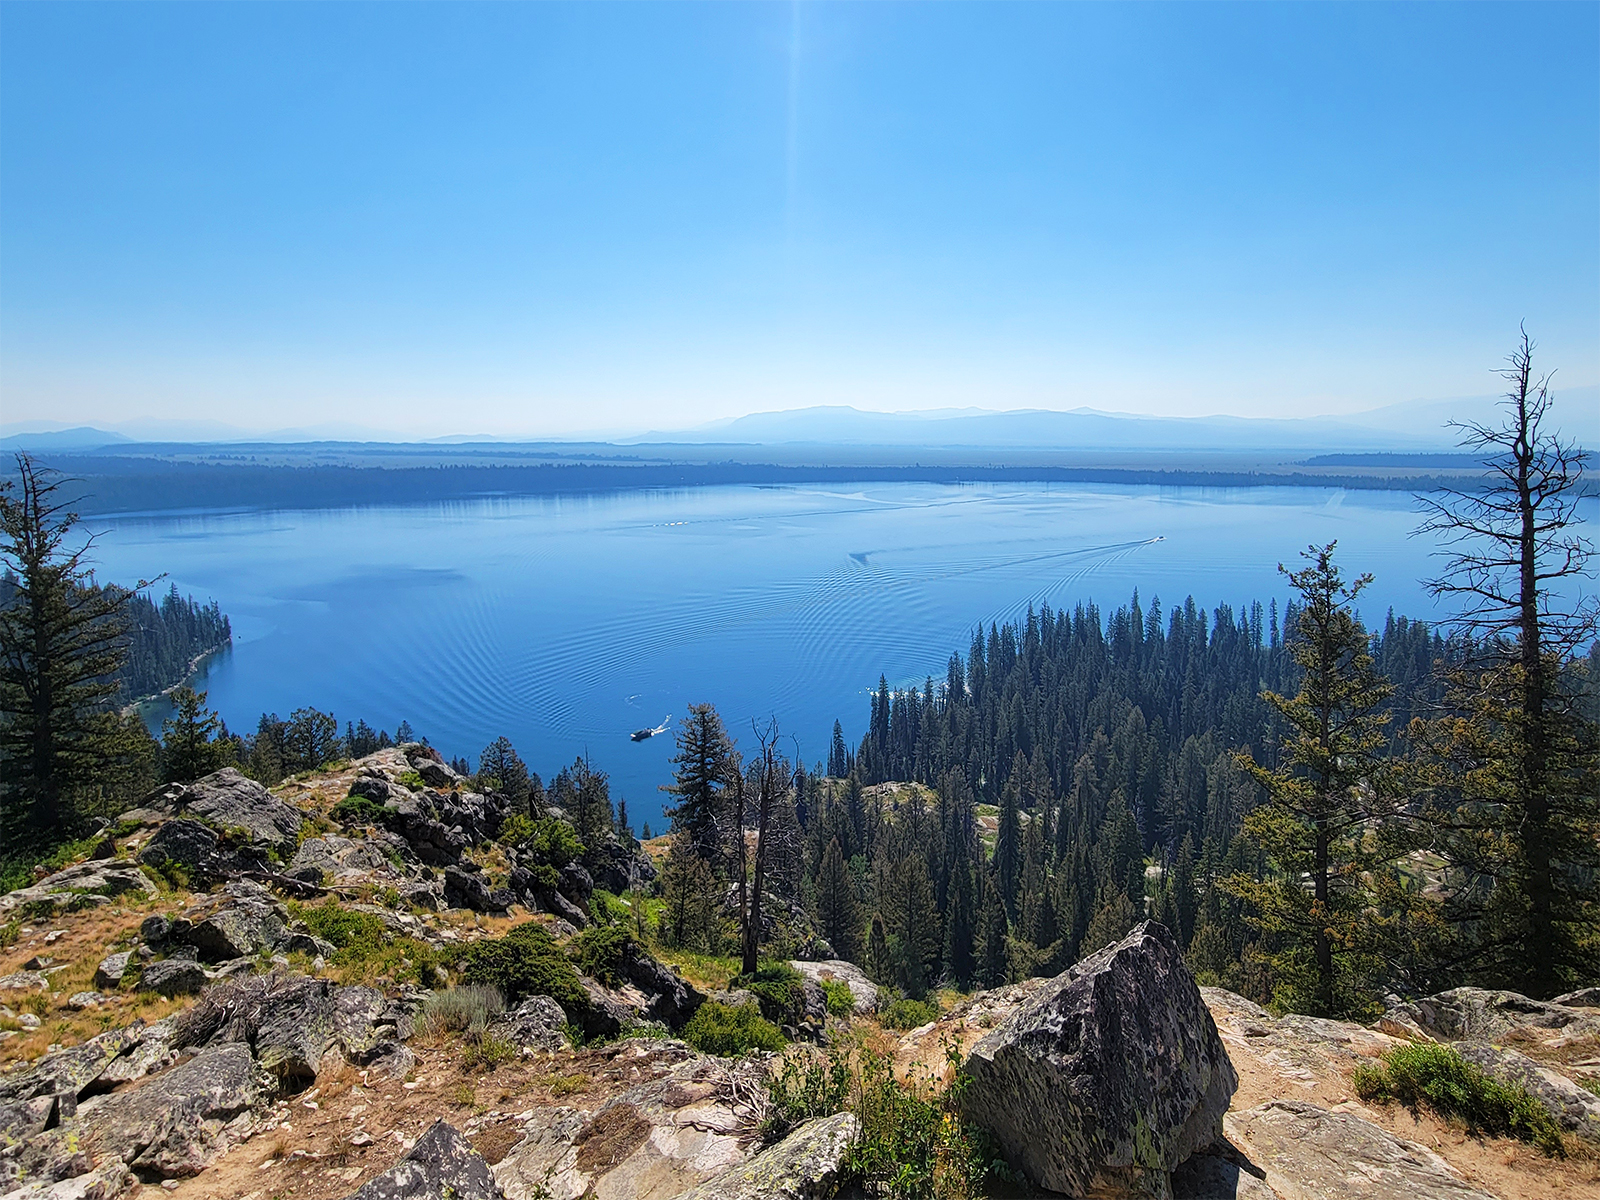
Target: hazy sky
<point>548,218</point>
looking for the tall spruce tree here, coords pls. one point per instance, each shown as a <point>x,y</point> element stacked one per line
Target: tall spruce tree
<point>703,762</point>
<point>62,642</point>
<point>1325,801</point>
<point>838,909</point>
<point>190,746</point>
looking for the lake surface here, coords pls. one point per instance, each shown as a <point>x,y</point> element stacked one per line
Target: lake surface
<point>568,622</point>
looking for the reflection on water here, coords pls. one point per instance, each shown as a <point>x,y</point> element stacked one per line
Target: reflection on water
<point>567,623</point>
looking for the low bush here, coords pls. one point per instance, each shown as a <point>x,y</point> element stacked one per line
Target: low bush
<point>411,780</point>
<point>729,1032</point>
<point>1437,1077</point>
<point>599,952</point>
<point>547,845</point>
<point>465,1009</point>
<point>807,1084</point>
<point>486,1051</point>
<point>360,810</point>
<point>778,988</point>
<point>841,1000</point>
<point>363,946</point>
<point>526,962</point>
<point>908,1014</point>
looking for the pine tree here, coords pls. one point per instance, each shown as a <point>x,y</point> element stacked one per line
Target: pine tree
<point>690,913</point>
<point>705,753</point>
<point>905,902</point>
<point>960,932</point>
<point>1322,801</point>
<point>838,755</point>
<point>500,769</point>
<point>880,963</point>
<point>1008,848</point>
<point>62,642</point>
<point>190,746</point>
<point>992,956</point>
<point>838,909</point>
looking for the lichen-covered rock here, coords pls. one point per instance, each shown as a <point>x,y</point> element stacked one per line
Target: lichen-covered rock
<point>536,1024</point>
<point>1468,1014</point>
<point>862,989</point>
<point>175,1124</point>
<point>1588,997</point>
<point>47,1092</point>
<point>173,977</point>
<point>112,969</point>
<point>241,929</point>
<point>192,845</point>
<point>804,1166</point>
<point>227,799</point>
<point>1312,1153</point>
<point>87,881</point>
<point>441,1164</point>
<point>336,859</point>
<point>652,1142</point>
<point>108,1181</point>
<point>1109,1076</point>
<point>1575,1110</point>
<point>25,981</point>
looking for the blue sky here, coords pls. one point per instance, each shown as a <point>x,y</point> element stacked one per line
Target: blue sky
<point>551,218</point>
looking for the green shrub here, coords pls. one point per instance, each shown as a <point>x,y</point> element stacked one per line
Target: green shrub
<point>600,950</point>
<point>485,1052</point>
<point>526,962</point>
<point>1437,1077</point>
<point>778,988</point>
<point>364,947</point>
<point>467,1009</point>
<point>807,1084</point>
<point>841,1000</point>
<point>908,1014</point>
<point>729,1032</point>
<point>547,845</point>
<point>411,780</point>
<point>913,1140</point>
<point>361,810</point>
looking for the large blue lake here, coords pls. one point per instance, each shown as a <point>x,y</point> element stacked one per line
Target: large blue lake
<point>567,622</point>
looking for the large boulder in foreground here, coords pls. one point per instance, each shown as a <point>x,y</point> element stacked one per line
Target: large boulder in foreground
<point>1109,1076</point>
<point>442,1163</point>
<point>228,799</point>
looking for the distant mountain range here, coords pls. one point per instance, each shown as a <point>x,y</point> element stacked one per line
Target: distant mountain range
<point>1418,425</point>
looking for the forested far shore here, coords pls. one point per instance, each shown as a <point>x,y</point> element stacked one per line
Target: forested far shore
<point>103,484</point>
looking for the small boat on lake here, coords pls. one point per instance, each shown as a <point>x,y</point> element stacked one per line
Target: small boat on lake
<point>644,735</point>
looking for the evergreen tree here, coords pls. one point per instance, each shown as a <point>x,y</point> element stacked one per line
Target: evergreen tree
<point>190,743</point>
<point>960,932</point>
<point>837,908</point>
<point>992,956</point>
<point>880,963</point>
<point>500,769</point>
<point>838,755</point>
<point>690,913</point>
<point>1323,800</point>
<point>62,641</point>
<point>1008,849</point>
<point>910,920</point>
<point>703,762</point>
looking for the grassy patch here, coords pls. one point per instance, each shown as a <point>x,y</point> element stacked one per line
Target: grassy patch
<point>467,1009</point>
<point>363,947</point>
<point>728,1032</point>
<point>908,1014</point>
<point>1437,1077</point>
<point>486,1051</point>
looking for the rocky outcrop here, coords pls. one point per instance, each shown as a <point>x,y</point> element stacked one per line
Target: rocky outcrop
<point>228,800</point>
<point>334,860</point>
<point>806,1165</point>
<point>1468,1014</point>
<point>1109,1077</point>
<point>173,977</point>
<point>295,1024</point>
<point>651,1142</point>
<point>178,1122</point>
<point>86,884</point>
<point>441,1164</point>
<point>1312,1153</point>
<point>837,970</point>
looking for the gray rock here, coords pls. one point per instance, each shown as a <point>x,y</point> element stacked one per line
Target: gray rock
<point>112,969</point>
<point>24,981</point>
<point>108,1181</point>
<point>173,977</point>
<point>669,998</point>
<point>334,858</point>
<point>1469,1014</point>
<point>175,1125</point>
<point>227,799</point>
<point>242,929</point>
<point>1312,1153</point>
<point>536,1024</point>
<point>152,1051</point>
<point>86,882</point>
<point>862,989</point>
<point>1575,1110</point>
<point>47,1091</point>
<point>1110,1076</point>
<point>1588,997</point>
<point>804,1166</point>
<point>193,845</point>
<point>82,1000</point>
<point>441,1164</point>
